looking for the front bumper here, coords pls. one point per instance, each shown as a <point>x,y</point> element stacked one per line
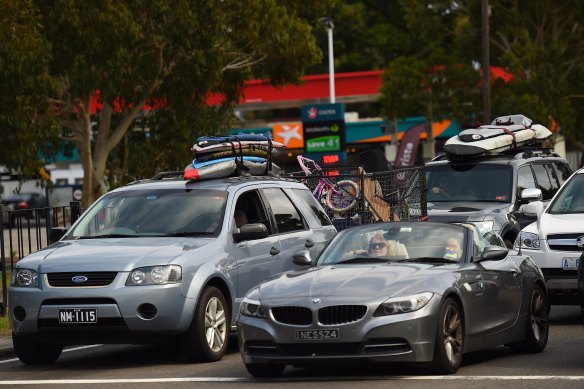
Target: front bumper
<point>125,314</point>
<point>396,338</point>
<point>562,285</point>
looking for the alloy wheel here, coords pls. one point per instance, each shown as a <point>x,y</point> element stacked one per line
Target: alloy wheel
<point>538,314</point>
<point>215,324</point>
<point>452,334</point>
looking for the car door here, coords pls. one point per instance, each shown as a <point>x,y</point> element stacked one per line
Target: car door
<point>255,259</point>
<point>501,288</point>
<point>291,227</point>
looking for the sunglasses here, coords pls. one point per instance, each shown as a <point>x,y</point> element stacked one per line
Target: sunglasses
<point>376,246</point>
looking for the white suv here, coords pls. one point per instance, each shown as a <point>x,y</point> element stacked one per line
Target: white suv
<point>556,240</point>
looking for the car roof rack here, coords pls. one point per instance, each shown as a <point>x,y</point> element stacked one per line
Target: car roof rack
<point>516,153</point>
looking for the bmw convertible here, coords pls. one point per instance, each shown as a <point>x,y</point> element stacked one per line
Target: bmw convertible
<point>396,292</point>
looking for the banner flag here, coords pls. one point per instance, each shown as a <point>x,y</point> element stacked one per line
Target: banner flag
<point>408,147</point>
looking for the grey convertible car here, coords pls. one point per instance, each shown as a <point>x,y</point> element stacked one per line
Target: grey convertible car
<point>396,292</point>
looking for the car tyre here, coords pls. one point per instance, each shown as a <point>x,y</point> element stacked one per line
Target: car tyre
<point>537,326</point>
<point>208,336</point>
<point>449,346</point>
<point>31,352</point>
<point>265,370</point>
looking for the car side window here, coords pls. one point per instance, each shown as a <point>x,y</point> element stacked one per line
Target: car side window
<point>249,208</point>
<point>525,179</point>
<point>543,181</point>
<point>310,203</point>
<point>553,177</point>
<point>287,217</point>
<point>563,171</point>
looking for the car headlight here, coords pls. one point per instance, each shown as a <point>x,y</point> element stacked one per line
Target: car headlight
<point>25,278</point>
<point>527,240</point>
<point>253,308</point>
<point>155,275</point>
<point>484,227</point>
<point>405,304</point>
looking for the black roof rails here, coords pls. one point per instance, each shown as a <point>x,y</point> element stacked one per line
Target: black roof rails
<point>167,175</point>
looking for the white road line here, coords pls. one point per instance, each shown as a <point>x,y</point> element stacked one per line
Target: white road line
<point>65,351</point>
<point>242,379</point>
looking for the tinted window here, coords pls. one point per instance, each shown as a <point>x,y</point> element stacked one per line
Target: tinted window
<point>553,177</point>
<point>310,202</point>
<point>525,179</point>
<point>543,181</point>
<point>481,182</point>
<point>287,218</point>
<point>563,171</point>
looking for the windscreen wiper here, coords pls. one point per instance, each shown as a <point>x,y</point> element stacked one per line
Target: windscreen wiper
<point>191,233</point>
<point>363,259</point>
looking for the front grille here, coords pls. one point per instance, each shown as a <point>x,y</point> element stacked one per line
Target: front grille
<point>292,315</point>
<point>564,242</point>
<point>320,349</point>
<point>551,273</point>
<point>80,301</point>
<point>341,314</point>
<point>93,279</point>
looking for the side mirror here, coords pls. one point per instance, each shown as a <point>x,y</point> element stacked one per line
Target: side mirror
<point>56,234</point>
<point>533,209</point>
<point>493,253</point>
<point>251,231</point>
<point>531,194</point>
<point>302,258</point>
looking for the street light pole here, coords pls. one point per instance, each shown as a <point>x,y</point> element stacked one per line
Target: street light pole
<point>329,25</point>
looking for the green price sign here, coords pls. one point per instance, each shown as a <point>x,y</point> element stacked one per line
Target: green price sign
<point>323,144</point>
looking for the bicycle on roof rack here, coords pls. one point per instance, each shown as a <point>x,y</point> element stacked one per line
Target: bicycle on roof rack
<point>338,196</point>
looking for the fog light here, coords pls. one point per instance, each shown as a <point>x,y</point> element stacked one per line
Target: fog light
<point>19,313</point>
<point>147,311</point>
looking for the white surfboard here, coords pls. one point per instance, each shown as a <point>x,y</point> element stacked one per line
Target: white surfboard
<point>505,133</point>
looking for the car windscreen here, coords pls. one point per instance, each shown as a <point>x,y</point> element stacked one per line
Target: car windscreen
<point>469,182</point>
<point>397,242</point>
<point>571,197</point>
<point>160,212</point>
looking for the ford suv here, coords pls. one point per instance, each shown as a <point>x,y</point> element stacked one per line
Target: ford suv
<point>162,260</point>
<point>492,191</point>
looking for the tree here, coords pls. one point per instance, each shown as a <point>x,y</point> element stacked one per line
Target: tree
<point>26,129</point>
<point>167,55</point>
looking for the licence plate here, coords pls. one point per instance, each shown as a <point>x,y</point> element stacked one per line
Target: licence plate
<point>570,263</point>
<point>78,315</point>
<point>332,334</point>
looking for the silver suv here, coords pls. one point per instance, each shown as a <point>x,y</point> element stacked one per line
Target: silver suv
<point>162,261</point>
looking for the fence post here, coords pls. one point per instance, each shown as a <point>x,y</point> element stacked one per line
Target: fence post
<point>75,210</point>
<point>3,266</point>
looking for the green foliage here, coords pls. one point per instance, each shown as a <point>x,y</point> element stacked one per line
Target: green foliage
<point>26,128</point>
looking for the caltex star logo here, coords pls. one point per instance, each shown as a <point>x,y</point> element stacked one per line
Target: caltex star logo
<point>312,113</point>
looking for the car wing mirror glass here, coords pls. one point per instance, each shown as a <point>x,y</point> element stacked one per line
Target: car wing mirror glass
<point>251,231</point>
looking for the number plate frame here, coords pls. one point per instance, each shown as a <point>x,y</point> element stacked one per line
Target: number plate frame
<point>320,334</point>
<point>570,263</point>
<point>77,316</point>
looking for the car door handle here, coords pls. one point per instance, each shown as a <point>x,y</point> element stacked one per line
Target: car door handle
<point>274,251</point>
<point>309,243</point>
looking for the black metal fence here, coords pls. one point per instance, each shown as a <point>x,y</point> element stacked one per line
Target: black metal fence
<point>380,197</point>
<point>28,230</point>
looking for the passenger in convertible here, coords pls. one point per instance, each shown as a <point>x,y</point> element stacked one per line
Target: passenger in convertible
<point>452,249</point>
